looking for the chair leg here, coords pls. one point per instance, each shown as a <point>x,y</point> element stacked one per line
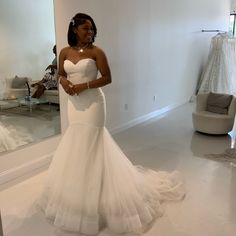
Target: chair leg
<point>1,231</point>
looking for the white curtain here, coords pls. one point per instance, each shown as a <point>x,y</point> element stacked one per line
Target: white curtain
<point>219,74</point>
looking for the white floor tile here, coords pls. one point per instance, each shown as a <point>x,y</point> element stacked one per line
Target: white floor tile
<point>167,143</point>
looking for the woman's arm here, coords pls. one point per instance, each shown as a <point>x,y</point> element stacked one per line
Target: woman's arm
<point>66,84</point>
<point>103,67</point>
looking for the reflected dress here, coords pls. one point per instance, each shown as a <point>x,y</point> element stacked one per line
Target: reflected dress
<point>11,138</point>
<point>7,142</point>
<point>91,183</point>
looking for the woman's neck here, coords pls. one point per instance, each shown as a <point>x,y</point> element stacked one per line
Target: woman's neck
<point>81,45</point>
<point>81,48</point>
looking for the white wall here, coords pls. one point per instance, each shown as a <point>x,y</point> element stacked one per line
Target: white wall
<point>233,6</point>
<point>155,48</point>
<point>27,37</point>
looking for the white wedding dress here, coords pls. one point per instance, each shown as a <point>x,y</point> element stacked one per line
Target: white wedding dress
<point>220,71</point>
<point>91,183</point>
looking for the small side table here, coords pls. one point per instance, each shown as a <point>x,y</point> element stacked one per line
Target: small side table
<point>31,102</point>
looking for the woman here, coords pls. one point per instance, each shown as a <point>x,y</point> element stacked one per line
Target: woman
<point>91,183</point>
<point>49,80</point>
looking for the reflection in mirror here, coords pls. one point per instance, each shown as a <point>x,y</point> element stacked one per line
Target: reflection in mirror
<point>29,98</point>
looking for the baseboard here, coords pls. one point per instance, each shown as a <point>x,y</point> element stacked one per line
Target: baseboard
<point>144,118</point>
<point>22,170</point>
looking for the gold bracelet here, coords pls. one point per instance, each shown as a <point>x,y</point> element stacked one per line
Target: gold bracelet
<point>88,85</point>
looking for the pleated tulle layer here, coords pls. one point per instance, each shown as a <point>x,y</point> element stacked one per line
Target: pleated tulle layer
<point>92,184</point>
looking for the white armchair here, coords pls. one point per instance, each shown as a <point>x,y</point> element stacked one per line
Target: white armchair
<point>210,122</point>
<point>11,92</point>
<point>51,96</point>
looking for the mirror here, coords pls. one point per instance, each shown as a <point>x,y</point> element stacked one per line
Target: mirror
<point>26,45</point>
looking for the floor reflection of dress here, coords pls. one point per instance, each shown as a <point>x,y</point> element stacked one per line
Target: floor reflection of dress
<point>91,183</point>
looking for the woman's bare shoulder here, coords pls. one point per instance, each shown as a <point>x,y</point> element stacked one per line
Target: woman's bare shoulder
<point>97,51</point>
<point>65,50</point>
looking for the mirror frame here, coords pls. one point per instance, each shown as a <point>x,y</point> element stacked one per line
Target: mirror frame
<point>32,156</point>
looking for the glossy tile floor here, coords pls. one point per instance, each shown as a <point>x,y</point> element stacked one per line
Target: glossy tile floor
<point>164,143</point>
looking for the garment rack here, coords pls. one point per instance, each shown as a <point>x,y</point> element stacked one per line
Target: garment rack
<point>214,31</point>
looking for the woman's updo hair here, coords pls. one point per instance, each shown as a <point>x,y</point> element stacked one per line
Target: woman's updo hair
<point>79,19</point>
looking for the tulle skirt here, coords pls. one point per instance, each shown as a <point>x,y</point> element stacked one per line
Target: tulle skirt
<point>92,184</point>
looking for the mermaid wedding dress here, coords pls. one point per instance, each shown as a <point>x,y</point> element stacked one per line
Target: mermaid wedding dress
<point>91,183</point>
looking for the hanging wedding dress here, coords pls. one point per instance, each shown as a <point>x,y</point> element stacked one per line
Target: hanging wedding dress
<point>219,75</point>
<point>91,183</point>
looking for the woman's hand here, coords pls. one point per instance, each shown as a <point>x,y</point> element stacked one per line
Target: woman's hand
<point>78,88</point>
<point>67,86</point>
<point>69,90</point>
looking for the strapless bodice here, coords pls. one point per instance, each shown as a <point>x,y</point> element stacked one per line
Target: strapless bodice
<point>84,70</point>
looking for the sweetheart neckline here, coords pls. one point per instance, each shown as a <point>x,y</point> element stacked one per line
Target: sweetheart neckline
<point>79,60</point>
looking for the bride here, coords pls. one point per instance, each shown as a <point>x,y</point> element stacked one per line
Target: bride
<point>91,183</point>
